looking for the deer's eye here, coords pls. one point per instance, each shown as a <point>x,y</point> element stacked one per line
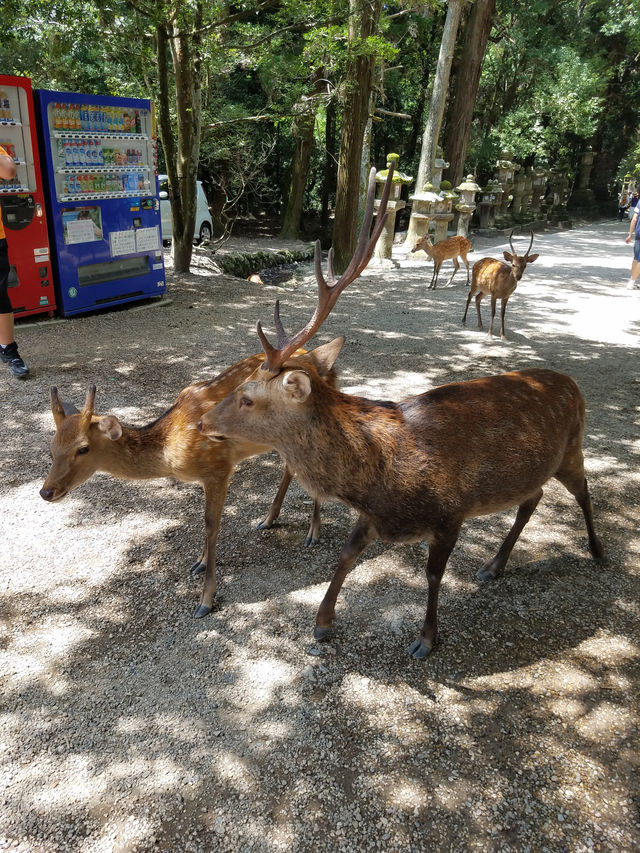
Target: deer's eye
<point>246,401</point>
<point>83,449</point>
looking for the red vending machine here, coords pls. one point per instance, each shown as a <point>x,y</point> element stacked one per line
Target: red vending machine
<point>23,212</point>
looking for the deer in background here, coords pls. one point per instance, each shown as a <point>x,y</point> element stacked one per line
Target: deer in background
<point>447,249</point>
<point>494,277</point>
<point>409,468</point>
<point>86,442</point>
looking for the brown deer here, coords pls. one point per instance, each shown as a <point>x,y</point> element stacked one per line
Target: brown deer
<point>499,280</point>
<point>85,442</point>
<point>452,247</point>
<point>409,468</point>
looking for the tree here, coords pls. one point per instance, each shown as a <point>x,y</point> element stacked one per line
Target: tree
<point>364,16</point>
<point>466,79</point>
<point>436,109</point>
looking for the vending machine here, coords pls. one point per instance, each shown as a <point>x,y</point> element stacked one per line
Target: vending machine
<point>99,168</point>
<point>23,209</point>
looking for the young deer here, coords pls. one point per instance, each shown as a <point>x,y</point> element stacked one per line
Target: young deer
<point>85,442</point>
<point>442,251</point>
<point>408,467</point>
<point>498,279</point>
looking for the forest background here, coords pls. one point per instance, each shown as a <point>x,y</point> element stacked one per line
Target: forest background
<point>278,106</point>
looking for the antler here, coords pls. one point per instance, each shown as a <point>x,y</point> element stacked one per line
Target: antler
<point>513,251</point>
<point>87,410</point>
<point>328,293</point>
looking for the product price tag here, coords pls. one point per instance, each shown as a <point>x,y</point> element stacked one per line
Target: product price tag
<point>122,242</point>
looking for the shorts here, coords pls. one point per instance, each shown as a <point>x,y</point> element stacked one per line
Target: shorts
<point>5,302</point>
<point>636,249</point>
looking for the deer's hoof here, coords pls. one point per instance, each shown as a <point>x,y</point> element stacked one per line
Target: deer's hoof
<point>202,610</point>
<point>264,525</point>
<point>419,650</point>
<point>310,540</point>
<point>321,634</point>
<point>490,572</point>
<point>197,569</point>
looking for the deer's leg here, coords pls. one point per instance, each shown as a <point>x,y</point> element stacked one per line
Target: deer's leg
<point>495,567</point>
<point>478,301</point>
<point>214,496</point>
<point>503,308</point>
<point>466,307</point>
<point>314,526</point>
<point>572,478</point>
<point>361,535</point>
<point>276,506</point>
<point>494,299</point>
<point>466,263</point>
<point>201,564</point>
<point>439,553</point>
<point>456,267</point>
<point>434,277</point>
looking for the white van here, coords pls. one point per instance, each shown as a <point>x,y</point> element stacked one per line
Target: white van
<point>203,230</point>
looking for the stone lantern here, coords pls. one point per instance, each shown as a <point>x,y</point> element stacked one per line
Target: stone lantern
<point>558,190</point>
<point>518,193</point>
<point>539,188</point>
<point>466,204</point>
<point>505,174</point>
<point>384,246</point>
<point>487,203</point>
<point>422,213</point>
<point>583,198</point>
<point>525,209</point>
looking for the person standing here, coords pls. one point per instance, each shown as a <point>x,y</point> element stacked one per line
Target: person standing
<point>623,206</point>
<point>634,234</point>
<point>8,347</point>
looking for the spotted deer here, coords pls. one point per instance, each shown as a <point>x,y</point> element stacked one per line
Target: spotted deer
<point>86,442</point>
<point>447,249</point>
<point>409,468</point>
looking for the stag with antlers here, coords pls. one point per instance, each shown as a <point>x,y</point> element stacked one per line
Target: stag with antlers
<point>499,280</point>
<point>409,468</point>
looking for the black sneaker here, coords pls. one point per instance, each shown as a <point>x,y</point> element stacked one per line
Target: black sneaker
<point>11,358</point>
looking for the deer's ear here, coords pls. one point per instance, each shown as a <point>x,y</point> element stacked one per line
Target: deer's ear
<point>297,385</point>
<point>324,356</point>
<point>508,256</point>
<point>110,426</point>
<point>532,258</point>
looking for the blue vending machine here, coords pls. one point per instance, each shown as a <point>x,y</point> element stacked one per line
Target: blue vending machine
<point>99,163</point>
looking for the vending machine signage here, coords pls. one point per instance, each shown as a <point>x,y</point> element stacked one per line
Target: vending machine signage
<point>23,209</point>
<point>100,164</point>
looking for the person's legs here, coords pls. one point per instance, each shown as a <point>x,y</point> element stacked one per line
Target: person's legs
<point>8,348</point>
<point>6,329</point>
<point>633,282</point>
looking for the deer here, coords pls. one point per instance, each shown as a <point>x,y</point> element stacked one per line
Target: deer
<point>408,467</point>
<point>85,442</point>
<point>452,247</point>
<point>499,280</point>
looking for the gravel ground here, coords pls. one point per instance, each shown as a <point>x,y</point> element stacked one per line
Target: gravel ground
<point>126,725</point>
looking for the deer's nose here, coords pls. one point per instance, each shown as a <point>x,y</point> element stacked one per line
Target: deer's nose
<point>47,494</point>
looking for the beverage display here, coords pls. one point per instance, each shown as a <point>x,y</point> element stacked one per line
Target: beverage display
<point>23,206</point>
<point>101,182</point>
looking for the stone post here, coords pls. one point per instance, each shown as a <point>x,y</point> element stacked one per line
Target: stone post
<point>384,247</point>
<point>466,205</point>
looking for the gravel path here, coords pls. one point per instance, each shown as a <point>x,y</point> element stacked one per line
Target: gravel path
<point>126,725</point>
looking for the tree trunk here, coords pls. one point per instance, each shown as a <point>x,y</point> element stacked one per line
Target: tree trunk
<point>329,182</point>
<point>303,132</point>
<point>465,88</point>
<point>363,20</point>
<point>436,109</point>
<point>181,155</point>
